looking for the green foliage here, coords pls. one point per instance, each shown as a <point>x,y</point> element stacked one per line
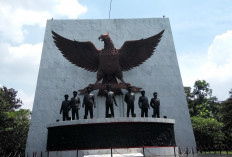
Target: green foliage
<point>9,96</point>
<point>226,112</point>
<point>201,102</point>
<point>14,123</point>
<point>207,131</point>
<point>211,120</point>
<point>205,114</point>
<point>202,90</point>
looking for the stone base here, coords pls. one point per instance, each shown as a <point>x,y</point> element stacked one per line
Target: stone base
<point>110,120</point>
<point>109,133</point>
<point>126,152</point>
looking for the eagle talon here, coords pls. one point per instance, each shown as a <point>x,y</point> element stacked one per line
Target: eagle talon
<point>96,83</point>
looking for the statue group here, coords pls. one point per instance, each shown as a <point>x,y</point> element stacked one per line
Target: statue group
<point>89,103</point>
<point>74,105</point>
<point>143,104</point>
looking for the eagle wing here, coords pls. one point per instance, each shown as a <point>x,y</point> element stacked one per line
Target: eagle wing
<point>133,53</point>
<point>82,54</point>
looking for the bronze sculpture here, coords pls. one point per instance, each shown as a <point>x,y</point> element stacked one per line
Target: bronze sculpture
<point>155,104</point>
<point>75,105</point>
<point>143,104</point>
<point>108,62</point>
<point>129,99</point>
<point>88,103</point>
<point>110,100</point>
<point>65,107</point>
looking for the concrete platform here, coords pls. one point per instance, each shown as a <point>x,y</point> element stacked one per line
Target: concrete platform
<point>110,120</point>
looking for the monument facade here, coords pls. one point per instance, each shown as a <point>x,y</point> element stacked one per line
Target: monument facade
<point>160,73</point>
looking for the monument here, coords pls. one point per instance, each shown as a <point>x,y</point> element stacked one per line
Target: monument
<point>157,71</point>
<point>110,101</point>
<point>143,104</point>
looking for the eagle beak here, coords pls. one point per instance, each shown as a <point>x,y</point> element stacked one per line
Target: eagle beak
<point>99,38</point>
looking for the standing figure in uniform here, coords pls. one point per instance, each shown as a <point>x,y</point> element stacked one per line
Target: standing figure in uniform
<point>143,104</point>
<point>155,104</point>
<point>109,101</point>
<point>75,105</point>
<point>65,107</point>
<point>88,103</point>
<point>129,99</point>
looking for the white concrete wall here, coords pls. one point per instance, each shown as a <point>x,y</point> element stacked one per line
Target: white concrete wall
<point>160,73</point>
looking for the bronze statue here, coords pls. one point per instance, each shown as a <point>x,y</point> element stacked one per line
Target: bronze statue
<point>155,104</point>
<point>129,99</point>
<point>75,105</point>
<point>108,62</point>
<point>65,107</point>
<point>109,101</point>
<point>143,104</point>
<point>88,103</point>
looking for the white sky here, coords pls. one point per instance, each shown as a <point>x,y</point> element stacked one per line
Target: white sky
<point>202,33</point>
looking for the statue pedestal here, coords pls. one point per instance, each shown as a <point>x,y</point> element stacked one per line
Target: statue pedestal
<point>154,136</point>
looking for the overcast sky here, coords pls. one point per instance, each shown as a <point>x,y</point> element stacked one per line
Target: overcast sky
<point>202,32</point>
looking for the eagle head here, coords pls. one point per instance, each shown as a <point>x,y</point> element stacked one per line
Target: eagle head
<point>104,37</point>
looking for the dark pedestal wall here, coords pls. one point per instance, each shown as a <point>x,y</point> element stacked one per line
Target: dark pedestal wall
<point>107,135</point>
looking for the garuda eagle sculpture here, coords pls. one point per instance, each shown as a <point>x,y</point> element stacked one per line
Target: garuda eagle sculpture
<point>108,62</point>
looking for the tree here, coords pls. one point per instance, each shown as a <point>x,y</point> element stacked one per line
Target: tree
<point>207,131</point>
<point>226,112</point>
<point>9,96</point>
<point>201,102</point>
<point>14,123</point>
<point>205,114</point>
